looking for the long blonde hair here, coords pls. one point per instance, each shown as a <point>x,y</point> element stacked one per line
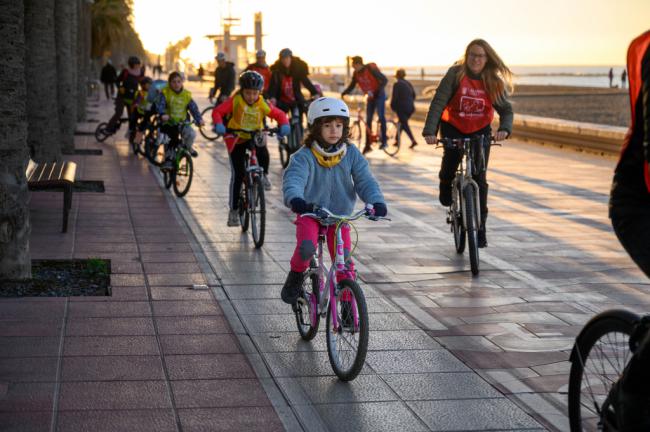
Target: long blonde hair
<point>496,76</point>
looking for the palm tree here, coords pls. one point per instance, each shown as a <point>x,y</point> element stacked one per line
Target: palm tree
<point>65,23</point>
<point>43,132</point>
<point>15,262</point>
<point>110,24</point>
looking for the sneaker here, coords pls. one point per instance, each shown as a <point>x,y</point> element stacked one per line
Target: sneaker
<point>193,153</point>
<point>367,149</point>
<point>383,146</point>
<point>233,218</point>
<point>266,182</point>
<point>413,144</point>
<point>482,239</point>
<point>445,194</point>
<point>291,288</point>
<point>347,319</point>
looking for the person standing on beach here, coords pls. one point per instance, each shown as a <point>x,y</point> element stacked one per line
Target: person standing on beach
<point>372,83</point>
<point>611,77</point>
<point>463,107</point>
<point>402,102</point>
<point>623,78</point>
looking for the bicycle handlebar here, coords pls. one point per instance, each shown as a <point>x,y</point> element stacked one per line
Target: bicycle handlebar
<point>460,142</point>
<point>322,214</point>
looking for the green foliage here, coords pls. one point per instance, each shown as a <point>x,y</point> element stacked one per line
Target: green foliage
<point>112,27</point>
<point>96,267</point>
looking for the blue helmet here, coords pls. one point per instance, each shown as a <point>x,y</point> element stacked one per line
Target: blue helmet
<point>251,80</point>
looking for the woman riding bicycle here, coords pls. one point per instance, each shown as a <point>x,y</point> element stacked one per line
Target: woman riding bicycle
<point>246,110</point>
<point>326,172</point>
<point>463,107</point>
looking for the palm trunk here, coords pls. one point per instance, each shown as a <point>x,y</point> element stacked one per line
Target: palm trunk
<point>65,19</point>
<point>83,54</point>
<point>15,262</point>
<point>43,132</point>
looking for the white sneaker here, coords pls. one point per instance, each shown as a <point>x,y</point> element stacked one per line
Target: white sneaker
<point>266,182</point>
<point>233,218</point>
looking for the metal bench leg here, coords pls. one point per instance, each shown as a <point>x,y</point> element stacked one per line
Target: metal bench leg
<point>67,204</point>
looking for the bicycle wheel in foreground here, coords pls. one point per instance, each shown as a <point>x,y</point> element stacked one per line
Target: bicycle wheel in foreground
<point>258,212</point>
<point>102,132</point>
<point>183,174</point>
<point>472,227</point>
<point>307,317</point>
<point>456,220</point>
<point>392,138</point>
<point>206,129</point>
<point>599,356</point>
<point>243,208</point>
<point>168,178</point>
<point>347,343</point>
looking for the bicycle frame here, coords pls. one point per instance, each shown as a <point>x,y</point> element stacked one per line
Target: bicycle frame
<point>464,178</point>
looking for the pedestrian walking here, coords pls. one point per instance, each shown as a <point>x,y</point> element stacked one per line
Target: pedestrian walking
<point>611,77</point>
<point>108,76</point>
<point>623,78</point>
<point>402,102</point>
<point>200,73</point>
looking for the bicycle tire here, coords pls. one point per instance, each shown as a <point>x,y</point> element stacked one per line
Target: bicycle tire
<point>356,134</point>
<point>206,130</point>
<point>615,326</point>
<point>183,169</point>
<point>471,228</point>
<point>294,141</point>
<point>243,207</point>
<point>457,227</point>
<point>258,212</point>
<point>154,154</point>
<point>168,179</point>
<point>307,316</point>
<point>392,138</point>
<point>334,336</point>
<point>283,148</point>
<point>101,132</point>
<point>134,146</point>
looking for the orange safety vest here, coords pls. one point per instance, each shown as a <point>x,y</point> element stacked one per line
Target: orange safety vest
<point>366,80</point>
<point>635,54</point>
<point>470,109</point>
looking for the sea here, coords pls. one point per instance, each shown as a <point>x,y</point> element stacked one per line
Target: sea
<point>578,76</point>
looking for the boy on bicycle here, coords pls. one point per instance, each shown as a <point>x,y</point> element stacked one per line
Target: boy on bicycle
<point>325,172</point>
<point>173,106</point>
<point>246,111</point>
<point>143,109</point>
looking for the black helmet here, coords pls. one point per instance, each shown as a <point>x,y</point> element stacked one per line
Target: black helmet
<point>133,60</point>
<point>145,81</point>
<point>251,80</point>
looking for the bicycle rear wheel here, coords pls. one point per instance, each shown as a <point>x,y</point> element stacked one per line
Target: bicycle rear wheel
<point>356,134</point>
<point>392,138</point>
<point>306,311</point>
<point>206,129</point>
<point>295,139</point>
<point>243,207</point>
<point>168,178</point>
<point>471,227</point>
<point>102,132</point>
<point>136,147</point>
<point>283,148</point>
<point>183,173</point>
<point>154,153</point>
<point>347,342</point>
<point>257,212</point>
<point>599,356</point>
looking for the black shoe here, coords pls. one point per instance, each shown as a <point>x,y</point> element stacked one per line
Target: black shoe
<point>445,194</point>
<point>193,153</point>
<point>482,239</point>
<point>292,287</point>
<point>413,144</point>
<point>367,149</point>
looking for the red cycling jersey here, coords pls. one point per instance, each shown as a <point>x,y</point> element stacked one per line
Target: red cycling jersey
<point>470,109</point>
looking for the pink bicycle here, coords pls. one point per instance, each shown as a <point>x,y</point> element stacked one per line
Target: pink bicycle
<point>347,312</point>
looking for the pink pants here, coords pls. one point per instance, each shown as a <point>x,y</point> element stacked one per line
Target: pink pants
<point>307,241</point>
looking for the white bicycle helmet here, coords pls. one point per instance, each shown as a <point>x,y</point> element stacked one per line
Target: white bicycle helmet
<point>327,107</point>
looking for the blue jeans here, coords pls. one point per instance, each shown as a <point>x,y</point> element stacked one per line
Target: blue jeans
<point>377,103</point>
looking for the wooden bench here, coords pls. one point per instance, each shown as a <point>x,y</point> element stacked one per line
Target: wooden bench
<point>56,176</point>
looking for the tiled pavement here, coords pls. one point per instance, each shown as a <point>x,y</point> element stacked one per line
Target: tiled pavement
<point>160,355</point>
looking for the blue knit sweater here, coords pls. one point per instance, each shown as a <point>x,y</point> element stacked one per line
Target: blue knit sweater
<point>333,188</point>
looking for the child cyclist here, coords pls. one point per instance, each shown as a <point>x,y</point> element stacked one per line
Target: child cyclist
<point>173,106</point>
<point>142,109</point>
<point>246,111</point>
<point>325,172</point>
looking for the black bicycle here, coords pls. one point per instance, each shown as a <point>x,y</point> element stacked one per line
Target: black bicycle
<point>600,354</point>
<point>290,144</point>
<point>181,172</point>
<point>102,131</point>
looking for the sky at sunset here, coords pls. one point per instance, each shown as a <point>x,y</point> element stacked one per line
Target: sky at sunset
<point>409,32</point>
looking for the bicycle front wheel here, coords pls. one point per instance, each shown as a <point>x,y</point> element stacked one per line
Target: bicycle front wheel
<point>183,173</point>
<point>257,212</point>
<point>102,132</point>
<point>392,138</point>
<point>243,207</point>
<point>168,178</point>
<point>599,356</point>
<point>471,227</point>
<point>283,147</point>
<point>456,220</point>
<point>306,311</point>
<point>295,139</point>
<point>356,134</point>
<point>347,338</point>
<point>154,153</point>
<point>206,129</point>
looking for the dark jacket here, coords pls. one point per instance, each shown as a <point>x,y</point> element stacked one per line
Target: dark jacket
<point>224,79</point>
<point>299,71</point>
<point>445,92</point>
<point>108,74</point>
<point>402,100</point>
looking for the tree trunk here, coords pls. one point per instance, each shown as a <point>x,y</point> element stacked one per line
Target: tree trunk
<point>15,262</point>
<point>65,19</point>
<point>83,54</point>
<point>43,131</point>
